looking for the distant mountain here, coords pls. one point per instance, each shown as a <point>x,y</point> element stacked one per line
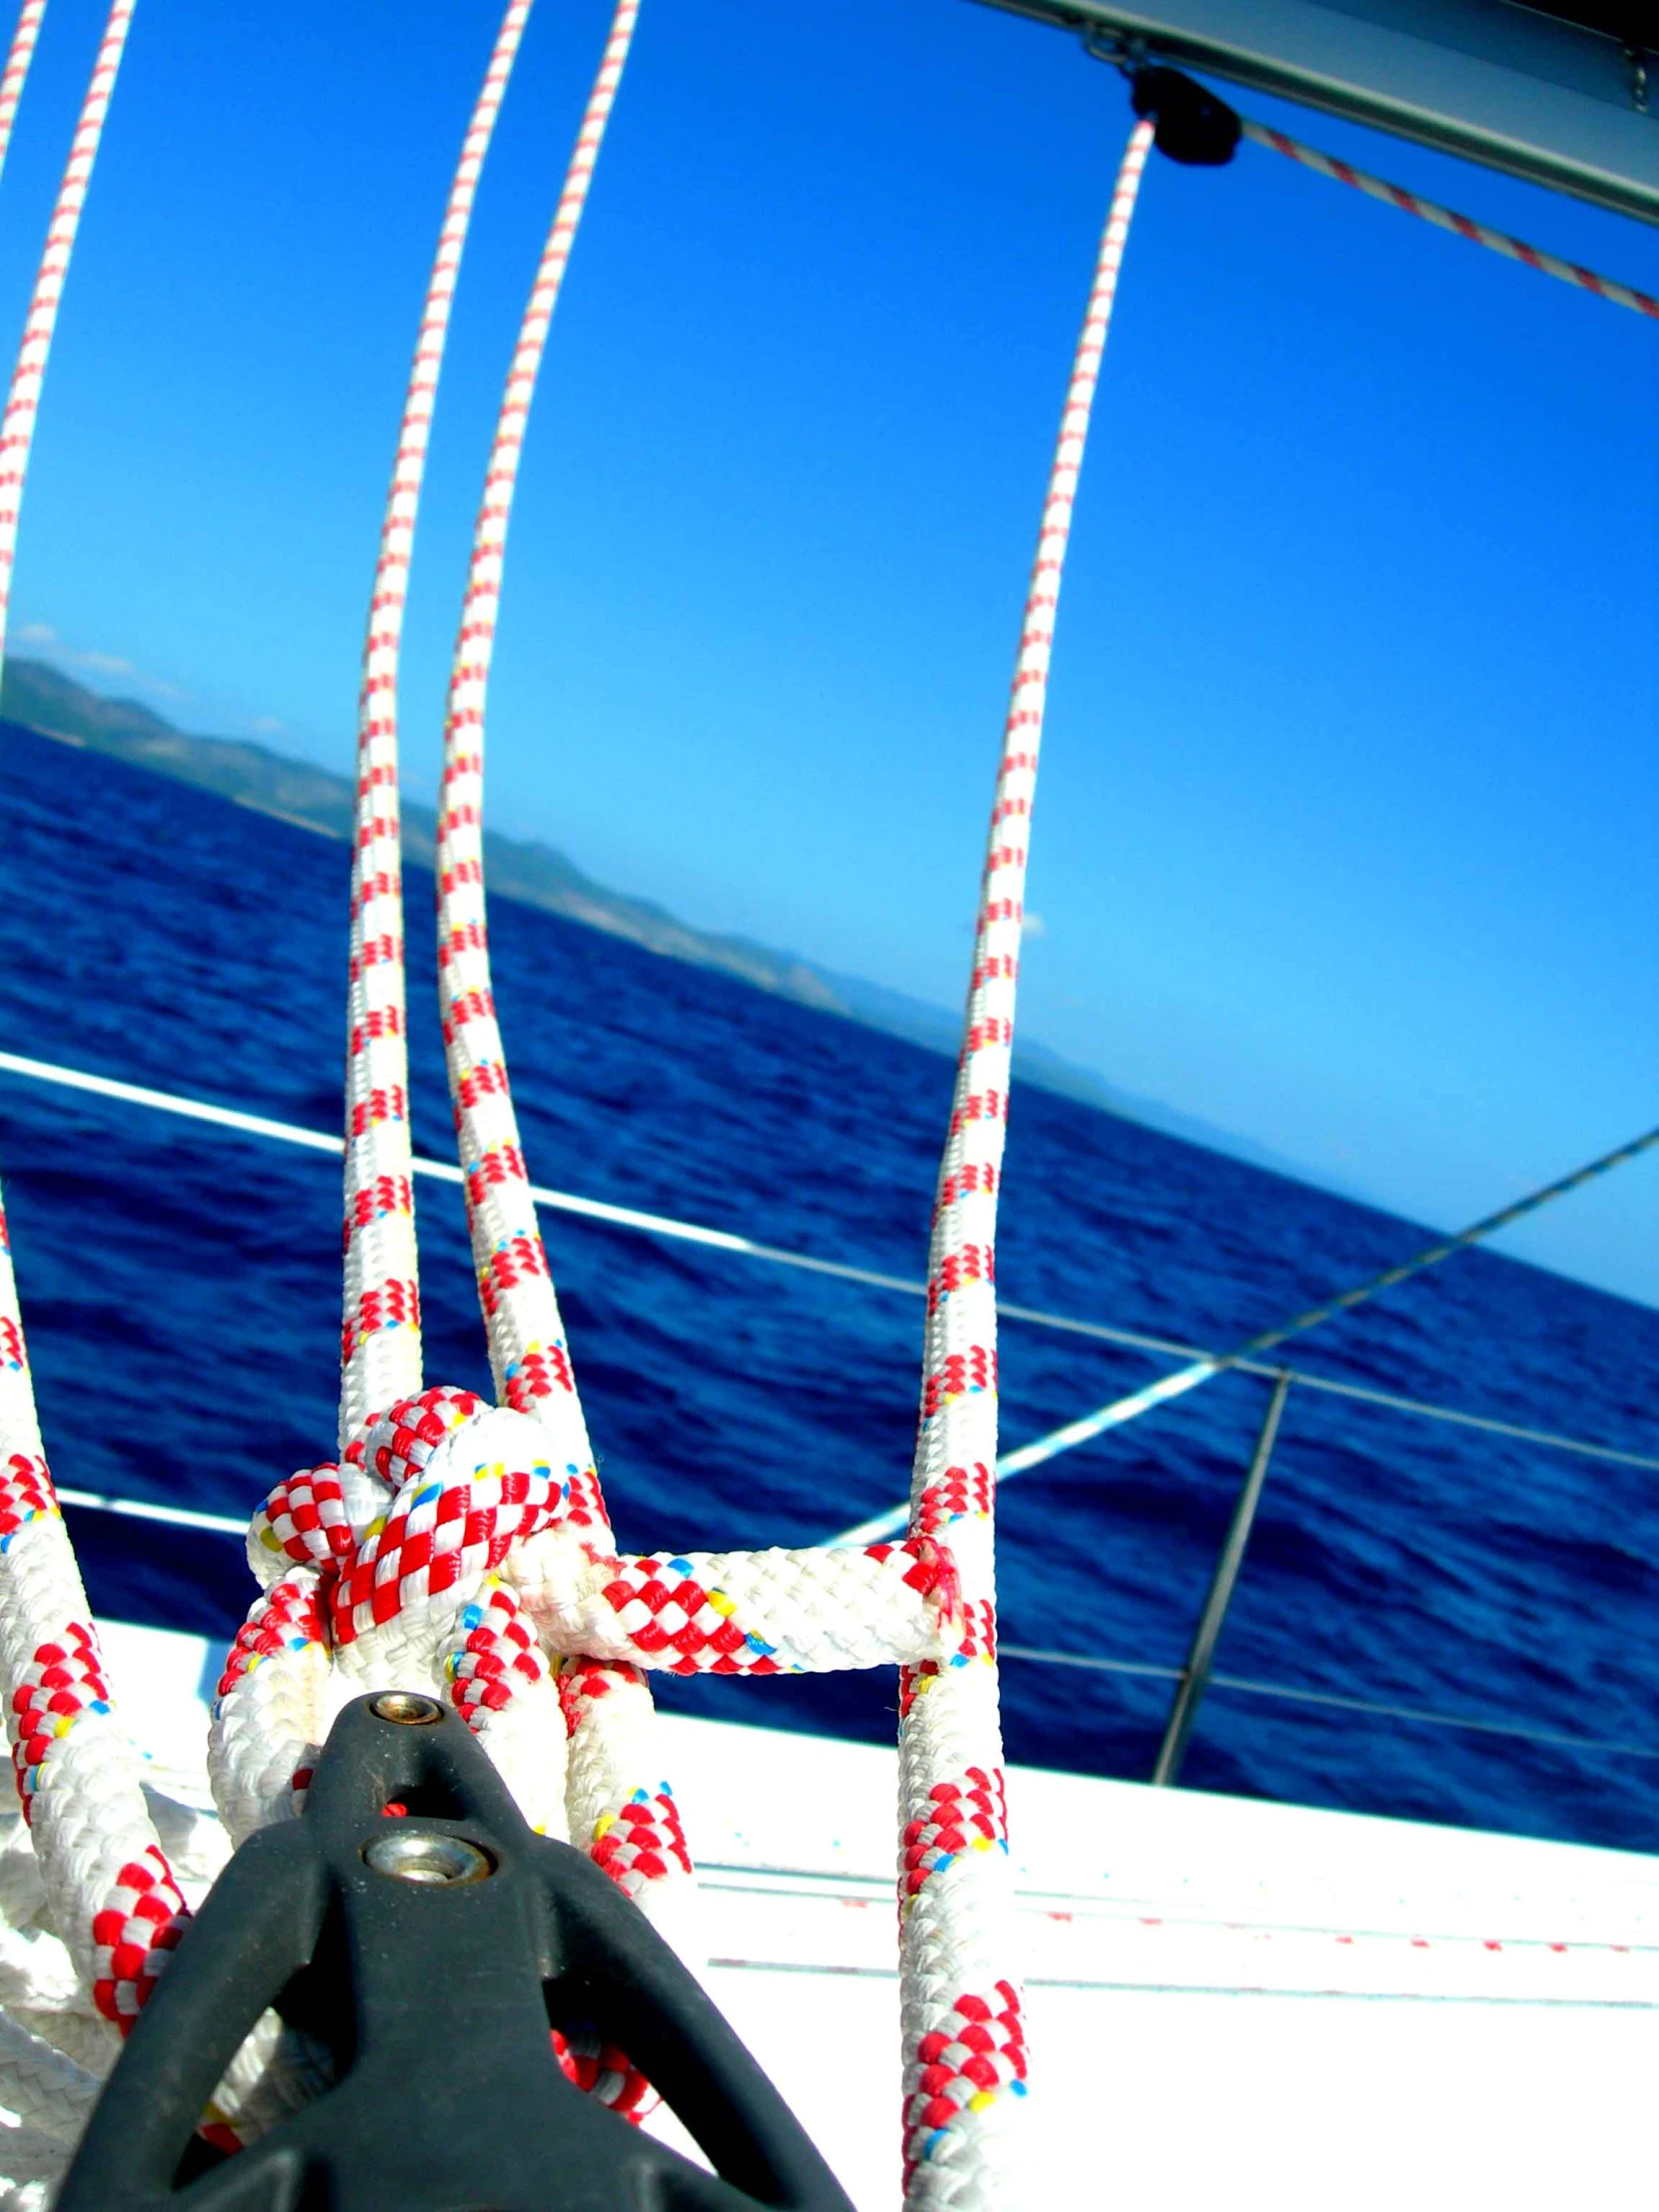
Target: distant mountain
<point>54,704</point>
<point>45,699</point>
<point>902,1017</point>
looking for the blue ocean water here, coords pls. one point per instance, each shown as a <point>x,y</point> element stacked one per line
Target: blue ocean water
<point>181,1290</point>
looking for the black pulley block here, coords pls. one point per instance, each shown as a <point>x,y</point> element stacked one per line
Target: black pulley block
<point>1193,124</point>
<point>412,1923</point>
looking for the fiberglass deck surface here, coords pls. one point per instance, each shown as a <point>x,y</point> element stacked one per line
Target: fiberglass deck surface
<point>1229,2000</point>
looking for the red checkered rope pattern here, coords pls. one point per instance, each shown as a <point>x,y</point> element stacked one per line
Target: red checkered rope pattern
<point>446,1552</point>
<point>967,1814</point>
<point>445,1531</point>
<point>747,1612</point>
<point>78,1780</point>
<point>529,1353</point>
<point>634,1832</point>
<point>628,1823</point>
<point>611,1763</point>
<point>1443,219</point>
<point>135,1932</point>
<point>418,1553</point>
<point>17,426</point>
<point>26,1490</point>
<point>963,2044</point>
<point>18,57</point>
<point>962,2067</point>
<point>380,1572</point>
<point>64,1678</point>
<point>111,1893</point>
<point>113,1896</point>
<point>286,1624</point>
<point>380,1329</point>
<point>605,2072</point>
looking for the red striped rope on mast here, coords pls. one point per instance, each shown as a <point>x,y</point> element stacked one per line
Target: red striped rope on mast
<point>380,1360</point>
<point>1444,218</point>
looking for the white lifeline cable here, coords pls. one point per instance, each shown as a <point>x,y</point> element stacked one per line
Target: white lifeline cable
<point>963,2034</point>
<point>380,1328</point>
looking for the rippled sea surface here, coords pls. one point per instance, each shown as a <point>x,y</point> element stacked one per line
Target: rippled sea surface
<point>182,1298</point>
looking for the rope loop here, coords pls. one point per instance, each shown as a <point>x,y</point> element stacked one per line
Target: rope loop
<point>449,1550</point>
<point>383,1572</point>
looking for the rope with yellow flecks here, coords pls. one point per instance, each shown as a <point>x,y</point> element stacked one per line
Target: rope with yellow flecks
<point>109,1888</point>
<point>611,1761</point>
<point>381,1329</point>
<point>964,2032</point>
<point>464,1549</point>
<point>109,1892</point>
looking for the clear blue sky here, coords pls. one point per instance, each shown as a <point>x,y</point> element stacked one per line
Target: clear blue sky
<point>1350,804</point>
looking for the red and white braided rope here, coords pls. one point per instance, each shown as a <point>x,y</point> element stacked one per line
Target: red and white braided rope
<point>1443,219</point>
<point>963,2036</point>
<point>111,1891</point>
<point>18,58</point>
<point>358,1606</point>
<point>380,1329</point>
<point>108,1888</point>
<point>17,427</point>
<point>447,1552</point>
<point>414,1561</point>
<point>611,1766</point>
<point>521,1313</point>
<point>383,1572</point>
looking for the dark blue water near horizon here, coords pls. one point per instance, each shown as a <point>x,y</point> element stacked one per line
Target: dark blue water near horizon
<point>181,1293</point>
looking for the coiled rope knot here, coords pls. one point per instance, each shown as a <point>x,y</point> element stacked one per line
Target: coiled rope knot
<point>448,1551</point>
<point>383,1572</point>
<point>428,1500</point>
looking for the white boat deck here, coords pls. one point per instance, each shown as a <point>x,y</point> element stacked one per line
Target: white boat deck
<point>1229,2001</point>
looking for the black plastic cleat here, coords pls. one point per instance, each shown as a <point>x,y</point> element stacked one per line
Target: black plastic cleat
<point>1193,124</point>
<point>433,1955</point>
